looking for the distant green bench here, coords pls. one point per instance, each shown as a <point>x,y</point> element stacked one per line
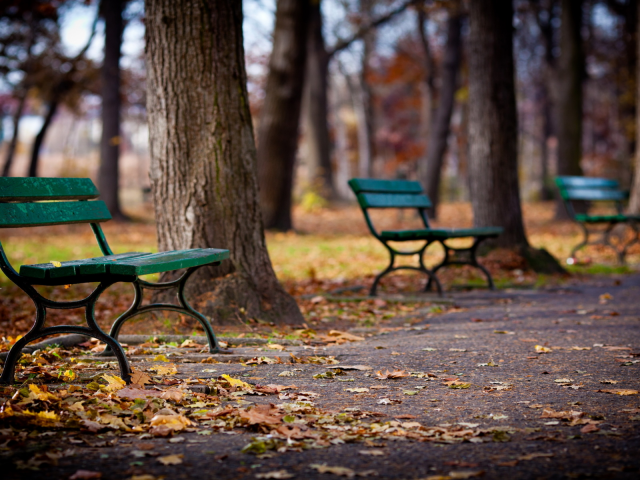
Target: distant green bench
<point>592,189</point>
<point>30,202</point>
<point>407,194</point>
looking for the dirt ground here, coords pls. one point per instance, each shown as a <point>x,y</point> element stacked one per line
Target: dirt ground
<point>517,383</point>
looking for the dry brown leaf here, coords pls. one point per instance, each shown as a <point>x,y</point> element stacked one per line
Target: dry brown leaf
<point>175,459</point>
<point>140,378</point>
<point>262,414</point>
<point>392,375</point>
<point>85,475</point>
<point>619,391</point>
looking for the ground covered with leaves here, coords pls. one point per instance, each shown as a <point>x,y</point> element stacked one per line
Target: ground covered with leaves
<point>522,383</point>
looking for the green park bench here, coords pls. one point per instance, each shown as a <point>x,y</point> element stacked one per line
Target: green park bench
<point>30,202</point>
<point>403,194</point>
<point>599,190</point>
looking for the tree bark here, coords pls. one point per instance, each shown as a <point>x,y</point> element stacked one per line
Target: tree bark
<point>441,121</point>
<point>203,156</point>
<point>316,107</point>
<point>634,201</point>
<point>278,131</point>
<point>52,108</point>
<point>493,131</point>
<point>569,94</point>
<point>110,77</point>
<point>11,149</point>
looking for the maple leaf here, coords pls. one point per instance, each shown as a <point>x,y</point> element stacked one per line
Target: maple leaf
<point>140,378</point>
<point>115,383</point>
<point>262,414</point>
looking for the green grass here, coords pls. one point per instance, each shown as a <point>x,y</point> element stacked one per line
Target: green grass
<point>599,269</point>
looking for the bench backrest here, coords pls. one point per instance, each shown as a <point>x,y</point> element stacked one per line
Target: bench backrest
<point>591,189</point>
<point>373,193</point>
<point>30,202</point>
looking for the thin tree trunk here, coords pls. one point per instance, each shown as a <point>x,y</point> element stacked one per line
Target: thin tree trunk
<point>11,149</point>
<point>108,179</point>
<point>634,202</point>
<point>316,107</point>
<point>569,94</point>
<point>428,91</point>
<point>52,108</point>
<point>278,131</point>
<point>203,156</point>
<point>493,131</point>
<point>440,125</point>
<point>546,192</point>
<point>366,144</point>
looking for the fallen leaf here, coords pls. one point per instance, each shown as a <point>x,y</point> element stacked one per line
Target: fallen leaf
<point>541,349</point>
<point>464,475</point>
<point>392,375</point>
<point>85,474</point>
<point>619,391</point>
<point>589,428</point>
<point>277,474</point>
<point>262,414</point>
<point>115,383</point>
<point>534,455</point>
<point>357,390</point>
<point>160,358</point>
<point>170,369</point>
<point>175,459</point>
<point>373,452</point>
<point>140,378</point>
<point>172,422</point>
<point>55,263</point>
<point>353,367</point>
<point>234,382</point>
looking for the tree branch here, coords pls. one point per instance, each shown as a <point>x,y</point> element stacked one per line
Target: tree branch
<point>346,42</point>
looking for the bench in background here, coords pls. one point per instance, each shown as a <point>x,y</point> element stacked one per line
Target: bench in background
<point>599,190</point>
<point>409,194</point>
<point>30,202</point>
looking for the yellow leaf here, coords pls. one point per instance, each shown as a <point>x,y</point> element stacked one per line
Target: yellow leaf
<point>234,382</point>
<point>541,349</point>
<point>160,358</point>
<point>173,422</point>
<point>115,383</point>
<point>164,370</point>
<point>68,375</point>
<point>55,264</point>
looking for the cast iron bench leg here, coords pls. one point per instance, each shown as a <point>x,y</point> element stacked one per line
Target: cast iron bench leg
<point>184,308</point>
<point>472,260</point>
<point>38,330</point>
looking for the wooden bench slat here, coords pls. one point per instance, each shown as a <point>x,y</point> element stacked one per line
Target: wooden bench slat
<point>31,189</point>
<point>440,234</point>
<point>125,264</point>
<point>167,261</point>
<point>94,265</point>
<point>586,182</point>
<point>593,194</point>
<point>360,185</point>
<point>584,218</point>
<point>13,215</point>
<point>393,200</point>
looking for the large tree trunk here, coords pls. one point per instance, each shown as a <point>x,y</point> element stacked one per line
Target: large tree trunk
<point>634,202</point>
<point>203,156</point>
<point>11,149</point>
<point>278,131</point>
<point>108,178</point>
<point>315,109</point>
<point>569,94</point>
<point>439,131</point>
<point>52,108</point>
<point>493,122</point>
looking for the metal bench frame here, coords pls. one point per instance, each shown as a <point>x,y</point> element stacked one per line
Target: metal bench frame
<point>420,202</point>
<point>595,189</point>
<point>105,280</point>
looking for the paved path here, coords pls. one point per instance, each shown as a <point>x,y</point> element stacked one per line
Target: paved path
<point>592,331</point>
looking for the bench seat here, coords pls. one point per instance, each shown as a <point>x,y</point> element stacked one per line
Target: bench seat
<point>438,234</point>
<point>584,218</point>
<point>130,264</point>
